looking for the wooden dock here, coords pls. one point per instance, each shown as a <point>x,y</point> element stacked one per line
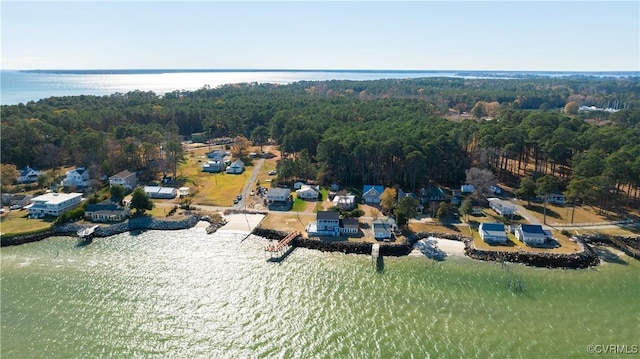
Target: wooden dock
<point>277,247</point>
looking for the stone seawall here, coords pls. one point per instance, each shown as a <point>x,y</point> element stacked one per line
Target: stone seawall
<point>401,249</point>
<point>140,223</point>
<point>583,259</point>
<point>629,245</point>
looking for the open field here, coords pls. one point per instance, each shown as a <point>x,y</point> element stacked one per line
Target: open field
<point>561,215</point>
<point>209,189</point>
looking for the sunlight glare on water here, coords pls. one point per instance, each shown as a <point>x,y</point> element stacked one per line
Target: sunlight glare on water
<point>193,295</point>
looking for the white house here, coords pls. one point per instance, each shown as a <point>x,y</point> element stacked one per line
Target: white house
<point>106,212</point>
<point>371,194</point>
<point>503,208</point>
<point>125,179</point>
<point>493,233</point>
<point>236,167</point>
<point>213,166</point>
<point>53,204</point>
<point>298,185</point>
<point>346,202</point>
<point>278,195</point>
<point>532,234</point>
<point>160,192</point>
<point>382,230</point>
<point>79,177</point>
<point>28,175</point>
<point>327,224</point>
<point>308,192</point>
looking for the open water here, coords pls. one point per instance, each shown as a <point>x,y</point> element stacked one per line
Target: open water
<point>186,294</point>
<point>22,87</point>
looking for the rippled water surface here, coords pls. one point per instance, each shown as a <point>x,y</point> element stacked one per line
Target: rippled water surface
<point>186,294</point>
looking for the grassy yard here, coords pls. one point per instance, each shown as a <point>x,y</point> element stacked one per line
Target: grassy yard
<point>561,215</point>
<point>212,189</point>
<point>16,222</point>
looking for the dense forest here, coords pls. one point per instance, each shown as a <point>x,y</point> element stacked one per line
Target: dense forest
<point>403,133</point>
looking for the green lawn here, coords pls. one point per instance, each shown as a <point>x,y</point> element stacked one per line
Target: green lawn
<point>16,222</point>
<point>299,205</point>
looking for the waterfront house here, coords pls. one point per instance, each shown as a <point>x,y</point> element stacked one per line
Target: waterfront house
<point>236,167</point>
<point>308,192</point>
<point>125,179</point>
<point>532,234</point>
<point>53,204</point>
<point>28,175</point>
<point>501,207</point>
<point>349,226</point>
<point>493,233</point>
<point>327,224</point>
<point>106,211</point>
<point>78,177</point>
<point>160,192</point>
<point>346,202</point>
<point>278,195</point>
<point>382,230</point>
<point>371,194</point>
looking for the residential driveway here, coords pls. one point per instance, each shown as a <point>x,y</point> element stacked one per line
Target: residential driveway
<point>524,213</point>
<point>249,183</point>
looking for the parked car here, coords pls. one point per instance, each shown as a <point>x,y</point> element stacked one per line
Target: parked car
<point>15,206</point>
<point>272,173</point>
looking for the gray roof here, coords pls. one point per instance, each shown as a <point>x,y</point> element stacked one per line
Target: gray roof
<point>328,215</point>
<point>279,192</point>
<point>350,223</point>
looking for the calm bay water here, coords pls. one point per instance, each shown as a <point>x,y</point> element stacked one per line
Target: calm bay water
<point>186,294</point>
<point>22,87</point>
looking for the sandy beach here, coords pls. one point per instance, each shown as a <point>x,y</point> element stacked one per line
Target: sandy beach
<point>448,246</point>
<point>241,222</point>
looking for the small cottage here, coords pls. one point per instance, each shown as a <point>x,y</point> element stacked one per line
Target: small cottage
<point>493,233</point>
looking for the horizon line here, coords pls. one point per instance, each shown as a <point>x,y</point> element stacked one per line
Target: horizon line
<point>178,70</point>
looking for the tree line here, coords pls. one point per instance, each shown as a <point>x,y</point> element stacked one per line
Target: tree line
<point>390,132</point>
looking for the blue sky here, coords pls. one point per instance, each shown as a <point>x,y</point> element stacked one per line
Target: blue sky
<point>415,35</point>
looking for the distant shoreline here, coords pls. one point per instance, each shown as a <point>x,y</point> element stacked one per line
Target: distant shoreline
<point>461,73</point>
